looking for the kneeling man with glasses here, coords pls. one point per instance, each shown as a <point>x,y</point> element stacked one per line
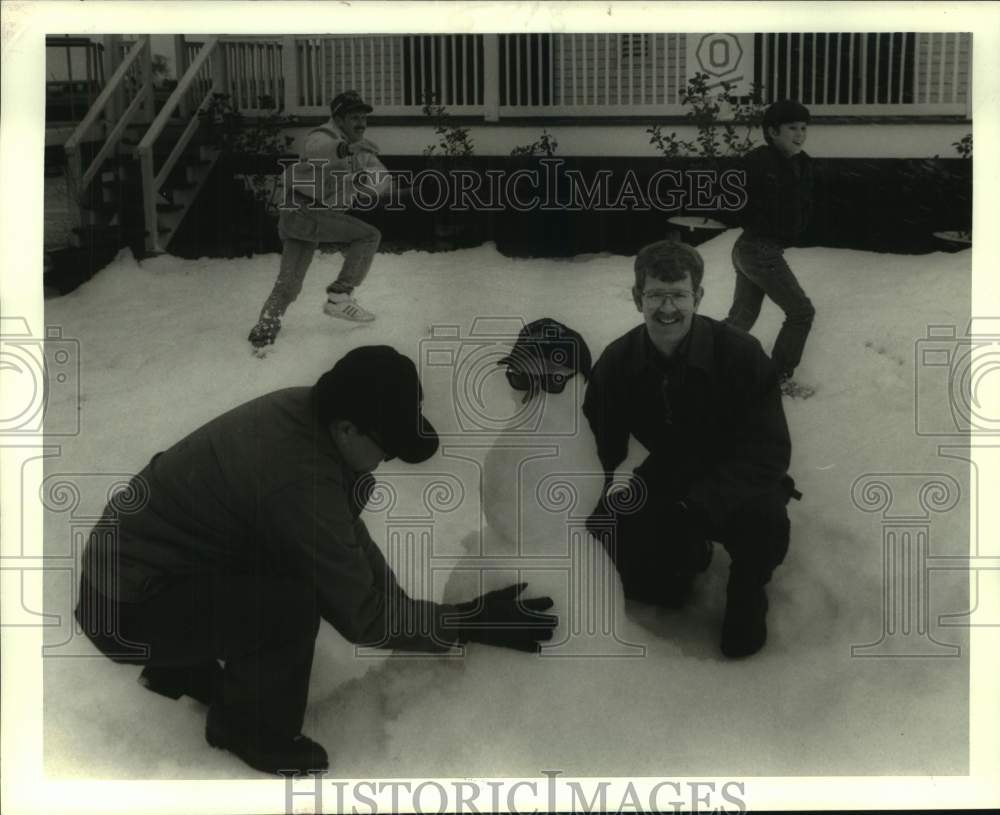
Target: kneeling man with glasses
<point>704,399</point>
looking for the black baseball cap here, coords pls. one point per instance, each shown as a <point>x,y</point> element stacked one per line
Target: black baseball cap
<point>378,389</point>
<point>347,102</point>
<point>547,340</point>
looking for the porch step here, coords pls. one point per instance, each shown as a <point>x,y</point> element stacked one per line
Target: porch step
<point>106,209</point>
<point>99,236</point>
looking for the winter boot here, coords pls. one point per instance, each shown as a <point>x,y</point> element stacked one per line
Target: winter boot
<point>744,628</point>
<point>197,681</point>
<point>263,750</point>
<point>263,335</point>
<point>345,307</point>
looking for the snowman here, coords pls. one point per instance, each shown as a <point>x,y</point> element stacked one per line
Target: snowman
<point>540,480</point>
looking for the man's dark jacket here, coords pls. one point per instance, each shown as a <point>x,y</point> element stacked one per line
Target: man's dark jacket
<point>711,415</point>
<point>779,195</point>
<point>261,489</point>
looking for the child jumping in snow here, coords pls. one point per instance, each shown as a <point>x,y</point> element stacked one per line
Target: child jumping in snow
<point>779,191</point>
<point>318,191</point>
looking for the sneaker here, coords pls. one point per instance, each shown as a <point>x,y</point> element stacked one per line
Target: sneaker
<point>262,751</point>
<point>347,308</point>
<point>744,628</point>
<point>265,332</point>
<point>197,681</point>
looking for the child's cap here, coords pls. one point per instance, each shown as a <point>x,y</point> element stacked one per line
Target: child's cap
<point>547,340</point>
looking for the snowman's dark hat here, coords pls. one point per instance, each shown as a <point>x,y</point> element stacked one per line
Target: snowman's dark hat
<point>548,340</point>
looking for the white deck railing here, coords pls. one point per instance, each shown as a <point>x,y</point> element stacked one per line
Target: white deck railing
<point>880,74</point>
<point>599,75</point>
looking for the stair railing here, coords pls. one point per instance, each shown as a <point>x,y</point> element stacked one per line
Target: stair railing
<point>153,181</point>
<point>78,178</point>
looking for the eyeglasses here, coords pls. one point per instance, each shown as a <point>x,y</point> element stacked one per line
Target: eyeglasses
<point>678,299</point>
<point>548,382</point>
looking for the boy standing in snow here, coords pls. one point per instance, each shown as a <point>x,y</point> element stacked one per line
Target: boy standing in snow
<point>779,205</point>
<point>235,542</point>
<point>318,191</point>
<point>703,398</point>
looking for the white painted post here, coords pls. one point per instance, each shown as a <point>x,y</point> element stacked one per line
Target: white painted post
<point>74,179</point>
<point>220,69</point>
<point>149,200</point>
<point>112,59</point>
<point>149,104</point>
<point>491,77</point>
<point>180,66</point>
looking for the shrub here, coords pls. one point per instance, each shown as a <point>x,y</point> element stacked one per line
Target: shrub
<point>545,146</point>
<point>453,140</point>
<point>717,137</point>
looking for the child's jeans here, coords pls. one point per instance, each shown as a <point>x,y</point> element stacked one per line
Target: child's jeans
<point>761,269</point>
<point>301,231</point>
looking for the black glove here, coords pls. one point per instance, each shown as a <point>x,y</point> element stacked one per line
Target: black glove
<point>500,618</point>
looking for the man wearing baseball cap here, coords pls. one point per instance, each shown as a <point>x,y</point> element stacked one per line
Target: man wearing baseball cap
<point>318,190</point>
<point>234,543</point>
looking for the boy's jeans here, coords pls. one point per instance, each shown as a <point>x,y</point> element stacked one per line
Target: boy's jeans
<point>301,231</point>
<point>761,269</point>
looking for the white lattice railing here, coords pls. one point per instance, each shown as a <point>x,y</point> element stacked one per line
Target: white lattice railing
<point>885,73</point>
<point>604,74</point>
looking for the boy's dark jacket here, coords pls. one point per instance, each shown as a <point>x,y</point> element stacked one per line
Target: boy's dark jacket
<point>779,195</point>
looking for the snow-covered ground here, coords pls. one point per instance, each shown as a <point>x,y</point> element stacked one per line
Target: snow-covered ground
<point>163,349</point>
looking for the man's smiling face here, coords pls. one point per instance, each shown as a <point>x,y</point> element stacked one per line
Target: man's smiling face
<point>668,308</point>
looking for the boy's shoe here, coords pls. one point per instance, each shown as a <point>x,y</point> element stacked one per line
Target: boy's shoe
<point>197,681</point>
<point>346,307</point>
<point>744,628</point>
<point>263,335</point>
<point>261,750</point>
<point>795,390</point>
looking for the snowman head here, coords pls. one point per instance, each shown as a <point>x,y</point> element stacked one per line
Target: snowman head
<point>545,357</point>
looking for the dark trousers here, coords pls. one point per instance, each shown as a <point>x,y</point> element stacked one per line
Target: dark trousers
<point>263,629</point>
<point>660,542</point>
<point>761,269</point>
